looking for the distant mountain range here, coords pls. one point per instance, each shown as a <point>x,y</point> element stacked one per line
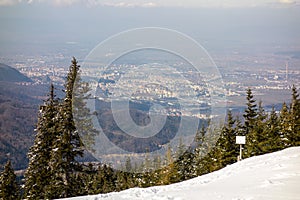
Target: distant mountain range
<point>10,74</point>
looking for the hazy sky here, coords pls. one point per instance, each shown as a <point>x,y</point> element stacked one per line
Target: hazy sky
<point>35,24</point>
<point>155,3</point>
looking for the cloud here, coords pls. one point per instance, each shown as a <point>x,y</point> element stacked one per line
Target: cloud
<point>129,4</point>
<point>287,1</point>
<point>64,2</point>
<point>89,3</point>
<point>193,3</point>
<point>155,3</point>
<point>7,2</point>
<point>51,2</point>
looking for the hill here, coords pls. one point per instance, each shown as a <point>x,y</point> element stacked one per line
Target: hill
<point>18,115</point>
<point>273,176</point>
<point>10,74</point>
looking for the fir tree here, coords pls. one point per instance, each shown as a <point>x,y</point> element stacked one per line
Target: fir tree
<point>250,118</point>
<point>285,124</point>
<point>294,136</point>
<point>259,131</point>
<point>272,137</point>
<point>82,114</point>
<point>9,188</point>
<point>226,146</point>
<point>123,181</point>
<point>199,151</point>
<point>183,163</point>
<point>168,172</point>
<point>205,154</point>
<point>68,145</point>
<point>97,182</point>
<point>38,172</point>
<point>184,169</point>
<point>87,179</point>
<point>109,179</point>
<point>250,112</point>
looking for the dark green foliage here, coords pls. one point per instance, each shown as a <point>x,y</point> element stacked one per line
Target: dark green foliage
<point>53,170</point>
<point>250,112</point>
<point>260,132</point>
<point>285,124</point>
<point>67,146</point>
<point>183,163</point>
<point>250,126</point>
<point>272,138</point>
<point>294,135</point>
<point>269,133</point>
<point>184,167</point>
<point>103,180</point>
<point>226,146</point>
<point>9,188</point>
<point>38,172</point>
<point>124,181</point>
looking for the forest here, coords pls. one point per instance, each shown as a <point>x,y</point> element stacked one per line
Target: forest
<point>54,169</point>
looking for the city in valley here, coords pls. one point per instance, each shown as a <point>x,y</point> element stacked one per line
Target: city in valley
<point>270,73</point>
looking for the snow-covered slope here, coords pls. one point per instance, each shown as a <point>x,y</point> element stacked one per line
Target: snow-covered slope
<point>271,176</point>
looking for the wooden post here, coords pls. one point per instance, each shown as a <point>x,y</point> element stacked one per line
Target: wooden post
<point>240,152</point>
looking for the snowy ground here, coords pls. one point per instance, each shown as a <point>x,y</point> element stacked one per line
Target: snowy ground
<point>268,177</point>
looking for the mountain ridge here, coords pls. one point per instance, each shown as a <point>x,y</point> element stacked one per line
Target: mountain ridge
<point>10,74</point>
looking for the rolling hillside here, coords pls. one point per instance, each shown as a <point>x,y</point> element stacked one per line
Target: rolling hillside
<point>18,115</point>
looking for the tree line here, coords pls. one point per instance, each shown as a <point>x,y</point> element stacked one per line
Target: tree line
<point>55,172</point>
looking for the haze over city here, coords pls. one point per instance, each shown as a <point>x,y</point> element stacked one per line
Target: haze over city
<point>99,96</point>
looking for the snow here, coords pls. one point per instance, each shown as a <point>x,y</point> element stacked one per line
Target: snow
<point>268,177</point>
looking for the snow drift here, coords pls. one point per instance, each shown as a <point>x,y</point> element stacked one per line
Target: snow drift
<point>272,176</point>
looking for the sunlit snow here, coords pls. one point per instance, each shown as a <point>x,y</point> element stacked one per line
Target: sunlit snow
<point>267,177</point>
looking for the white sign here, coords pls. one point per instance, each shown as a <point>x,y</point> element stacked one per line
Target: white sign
<point>240,140</point>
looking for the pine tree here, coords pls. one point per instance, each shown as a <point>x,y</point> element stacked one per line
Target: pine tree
<point>168,172</point>
<point>272,136</point>
<point>250,118</point>
<point>156,173</point>
<point>199,151</point>
<point>121,181</point>
<point>205,153</point>
<point>9,188</point>
<point>226,146</point>
<point>109,179</point>
<point>97,181</point>
<point>285,124</point>
<point>183,163</point>
<point>259,131</point>
<point>294,136</point>
<point>87,179</point>
<point>38,172</point>
<point>250,112</point>
<point>68,145</point>
<point>184,169</point>
<point>82,114</point>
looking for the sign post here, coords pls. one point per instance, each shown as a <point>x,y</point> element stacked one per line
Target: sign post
<point>240,140</point>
